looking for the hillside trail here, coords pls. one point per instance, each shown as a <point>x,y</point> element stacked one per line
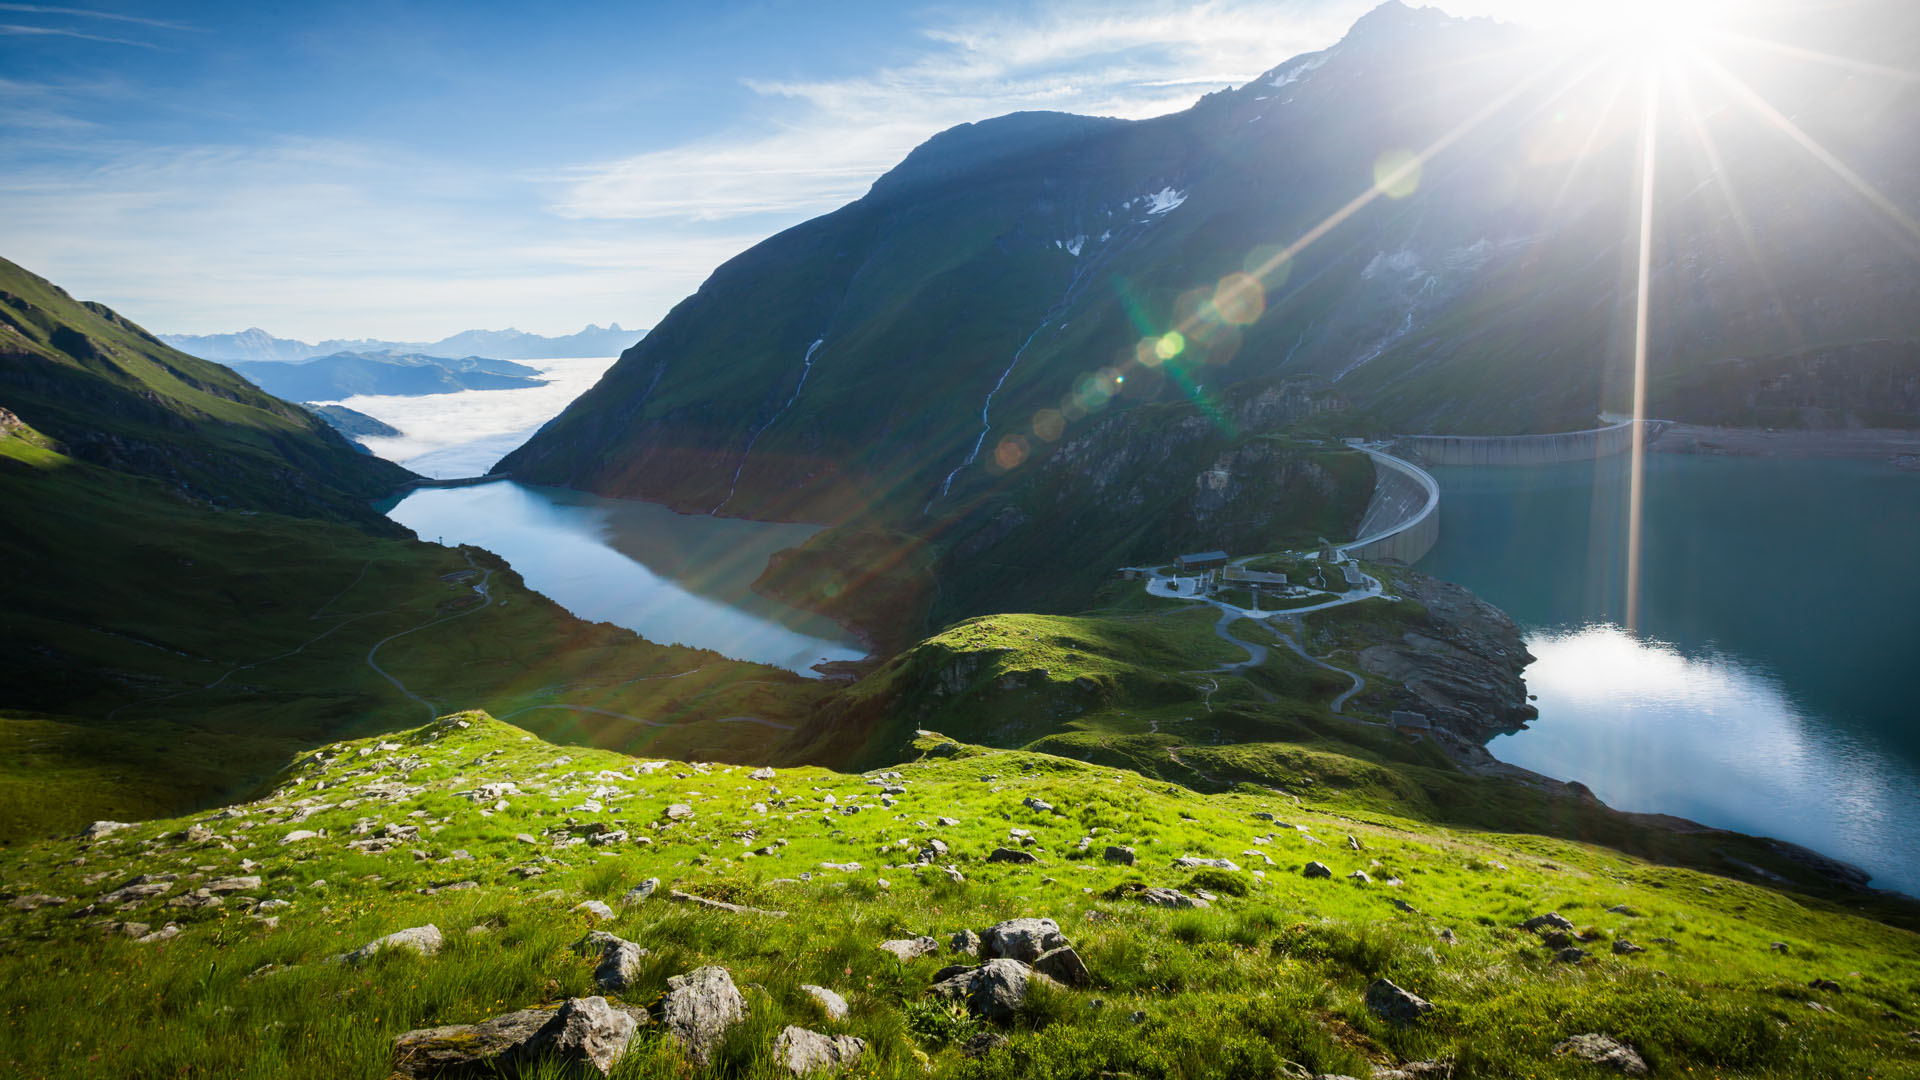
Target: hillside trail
<point>486,576</point>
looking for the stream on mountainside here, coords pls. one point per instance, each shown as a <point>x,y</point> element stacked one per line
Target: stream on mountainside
<point>1767,689</point>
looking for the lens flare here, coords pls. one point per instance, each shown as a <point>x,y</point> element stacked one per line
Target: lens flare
<point>1011,452</point>
<point>1396,173</point>
<point>1240,299</point>
<point>1171,344</point>
<point>1049,424</point>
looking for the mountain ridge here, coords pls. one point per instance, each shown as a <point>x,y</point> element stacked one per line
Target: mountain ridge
<point>257,345</point>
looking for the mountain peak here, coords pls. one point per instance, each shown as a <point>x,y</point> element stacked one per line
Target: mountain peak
<point>1394,21</point>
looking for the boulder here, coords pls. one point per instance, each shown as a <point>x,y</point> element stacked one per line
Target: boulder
<point>679,811</point>
<point>298,835</point>
<point>1041,805</point>
<point>1623,947</point>
<point>1394,1005</point>
<point>1064,966</point>
<point>699,1008</point>
<point>619,960</point>
<point>198,898</point>
<point>640,892</point>
<point>586,1034</point>
<point>911,948</point>
<point>1021,939</point>
<point>834,1005</point>
<point>1605,1051</point>
<point>804,1052</point>
<point>1316,870</point>
<point>983,1043</point>
<point>103,828</point>
<point>995,990</point>
<point>965,941</point>
<point>1192,862</point>
<point>1011,855</point>
<point>234,884</point>
<point>1169,898</point>
<point>595,909</point>
<point>425,940</point>
<point>1360,877</point>
<point>1552,919</point>
<point>761,773</point>
<point>1570,955</point>
<point>1121,855</point>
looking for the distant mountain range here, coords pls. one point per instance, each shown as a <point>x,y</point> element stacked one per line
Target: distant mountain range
<point>509,344</point>
<point>345,374</point>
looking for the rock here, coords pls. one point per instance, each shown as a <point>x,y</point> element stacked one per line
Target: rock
<point>619,959</point>
<point>1122,855</point>
<point>1446,934</point>
<point>1779,947</point>
<point>965,941</point>
<point>584,1032</point>
<point>1316,870</point>
<point>103,828</point>
<point>1021,939</point>
<point>1191,862</point>
<point>804,1052</point>
<point>994,990</point>
<point>1604,1050</point>
<point>1551,919</point>
<point>425,940</point>
<point>1064,966</point>
<point>583,1035</point>
<point>1823,984</point>
<point>136,890</point>
<point>698,1009</point>
<point>298,835</point>
<point>595,908</point>
<point>1570,955</point>
<point>679,811</point>
<point>526,838</point>
<point>983,1043</point>
<point>1169,898</point>
<point>1623,947</point>
<point>946,822</point>
<point>1621,909</point>
<point>1352,844</point>
<point>198,898</point>
<point>761,773</point>
<point>1361,877</point>
<point>640,892</point>
<point>35,901</point>
<point>933,849</point>
<point>911,948</point>
<point>1011,855</point>
<point>162,934</point>
<point>1394,1005</point>
<point>234,884</point>
<point>834,1005</point>
<point>842,867</point>
<point>1037,804</point>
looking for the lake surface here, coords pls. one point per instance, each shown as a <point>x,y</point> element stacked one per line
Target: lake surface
<point>1767,688</point>
<point>668,577</point>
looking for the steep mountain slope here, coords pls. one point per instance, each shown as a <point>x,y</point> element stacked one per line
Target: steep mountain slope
<point>1021,275</point>
<point>113,395</point>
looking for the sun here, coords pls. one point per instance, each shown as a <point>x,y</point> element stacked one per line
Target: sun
<point>1649,26</point>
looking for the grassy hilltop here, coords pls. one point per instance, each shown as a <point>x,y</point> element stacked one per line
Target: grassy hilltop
<point>1267,979</point>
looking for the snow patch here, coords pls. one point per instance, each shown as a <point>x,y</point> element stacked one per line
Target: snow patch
<point>1302,69</point>
<point>1164,200</point>
<point>1073,246</point>
<point>1404,262</point>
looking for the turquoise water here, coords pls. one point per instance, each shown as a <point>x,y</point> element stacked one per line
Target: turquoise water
<point>1766,688</point>
<point>668,577</point>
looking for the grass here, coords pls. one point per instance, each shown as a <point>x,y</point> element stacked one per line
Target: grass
<point>1273,973</point>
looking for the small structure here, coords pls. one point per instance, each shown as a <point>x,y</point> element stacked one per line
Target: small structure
<point>1205,560</point>
<point>1253,577</point>
<point>1355,579</point>
<point>1409,721</point>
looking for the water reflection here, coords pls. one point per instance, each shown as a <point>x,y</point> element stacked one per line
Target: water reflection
<point>668,577</point>
<point>1709,737</point>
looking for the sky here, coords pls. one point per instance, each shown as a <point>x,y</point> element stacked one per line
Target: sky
<point>407,170</point>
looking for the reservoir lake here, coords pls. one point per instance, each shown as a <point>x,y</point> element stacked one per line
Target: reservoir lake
<point>1765,689</point>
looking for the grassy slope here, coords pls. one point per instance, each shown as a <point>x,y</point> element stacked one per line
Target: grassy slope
<point>119,397</point>
<point>1274,973</point>
<point>159,653</point>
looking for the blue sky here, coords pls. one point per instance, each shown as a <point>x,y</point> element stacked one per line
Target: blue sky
<point>407,170</point>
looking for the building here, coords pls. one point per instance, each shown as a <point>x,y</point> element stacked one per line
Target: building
<point>1252,577</point>
<point>1205,560</point>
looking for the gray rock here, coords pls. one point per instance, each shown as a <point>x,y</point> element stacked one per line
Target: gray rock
<point>965,941</point>
<point>1621,909</point>
<point>762,773</point>
<point>162,934</point>
<point>425,940</point>
<point>1570,955</point>
<point>298,835</point>
<point>1064,966</point>
<point>587,1034</point>
<point>1395,1005</point>
<point>1605,1051</point>
<point>1823,984</point>
<point>234,884</point>
<point>619,960</point>
<point>679,811</point>
<point>1551,919</point>
<point>584,1033</point>
<point>834,1004</point>
<point>1352,844</point>
<point>135,891</point>
<point>1011,855</point>
<point>1021,939</point>
<point>1623,947</point>
<point>1037,804</point>
<point>198,898</point>
<point>1169,898</point>
<point>1124,856</point>
<point>804,1052</point>
<point>1360,876</point>
<point>1779,947</point>
<point>699,1008</point>
<point>946,822</point>
<point>595,908</point>
<point>640,892</point>
<point>103,828</point>
<point>994,990</point>
<point>1192,862</point>
<point>911,948</point>
<point>1316,870</point>
<point>983,1043</point>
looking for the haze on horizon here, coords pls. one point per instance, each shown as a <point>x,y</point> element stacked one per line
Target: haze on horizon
<point>318,173</point>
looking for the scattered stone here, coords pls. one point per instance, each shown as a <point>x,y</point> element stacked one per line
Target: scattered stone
<point>1623,947</point>
<point>1604,1050</point>
<point>139,888</point>
<point>804,1052</point>
<point>1395,1005</point>
<point>698,1009</point>
<point>966,942</point>
<point>1011,855</point>
<point>1037,804</point>
<point>1779,947</point>
<point>907,949</point>
<point>1360,876</point>
<point>234,884</point>
<point>1570,955</point>
<point>1316,870</point>
<point>103,828</point>
<point>595,908</point>
<point>1063,965</point>
<point>586,1033</point>
<point>425,940</point>
<point>946,822</point>
<point>1169,898</point>
<point>1551,919</point>
<point>834,1005</point>
<point>1021,939</point>
<point>679,811</point>
<point>1621,909</point>
<point>162,934</point>
<point>994,990</point>
<point>640,892</point>
<point>35,901</point>
<point>761,773</point>
<point>1352,844</point>
<point>1445,934</point>
<point>583,1032</point>
<point>298,835</point>
<point>198,898</point>
<point>843,867</point>
<point>983,1043</point>
<point>619,959</point>
<point>1191,862</point>
<point>1122,855</point>
<point>1823,984</point>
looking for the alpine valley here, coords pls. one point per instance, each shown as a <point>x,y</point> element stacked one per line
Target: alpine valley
<point>1164,760</point>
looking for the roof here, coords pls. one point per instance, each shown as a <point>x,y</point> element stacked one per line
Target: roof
<point>1205,556</point>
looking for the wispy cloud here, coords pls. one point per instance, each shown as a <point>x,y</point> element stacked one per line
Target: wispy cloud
<point>16,30</point>
<point>829,139</point>
<point>88,13</point>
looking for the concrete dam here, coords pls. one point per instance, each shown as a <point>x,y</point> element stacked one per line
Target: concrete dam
<point>1527,449</point>
<point>1403,518</point>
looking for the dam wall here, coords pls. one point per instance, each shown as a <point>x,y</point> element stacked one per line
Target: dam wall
<point>1403,518</point>
<point>1528,449</point>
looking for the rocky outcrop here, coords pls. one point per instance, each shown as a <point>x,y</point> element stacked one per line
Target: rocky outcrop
<point>994,991</point>
<point>583,1035</point>
<point>699,1008</point>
